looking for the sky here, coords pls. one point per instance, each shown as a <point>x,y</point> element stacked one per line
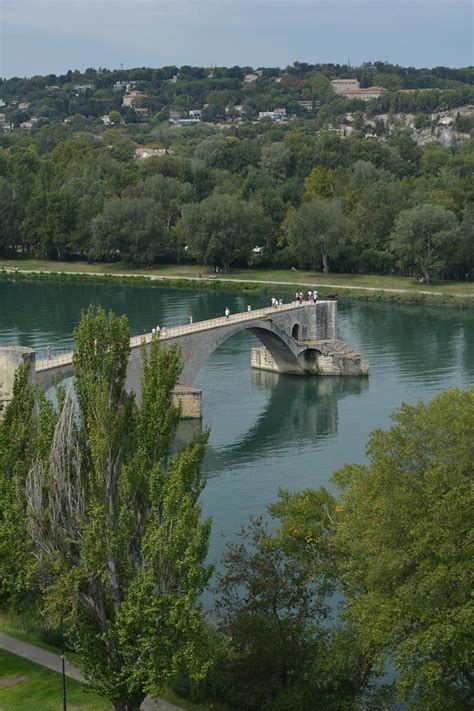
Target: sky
<point>52,36</point>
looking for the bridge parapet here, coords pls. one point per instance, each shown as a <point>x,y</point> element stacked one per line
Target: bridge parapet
<point>286,333</point>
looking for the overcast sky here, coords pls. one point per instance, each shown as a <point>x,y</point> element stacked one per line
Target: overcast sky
<point>52,36</point>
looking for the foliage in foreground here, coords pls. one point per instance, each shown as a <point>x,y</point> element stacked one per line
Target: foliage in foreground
<point>117,544</point>
<point>395,550</point>
<point>405,532</point>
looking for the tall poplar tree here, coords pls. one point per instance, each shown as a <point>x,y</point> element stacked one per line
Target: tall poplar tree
<point>118,539</point>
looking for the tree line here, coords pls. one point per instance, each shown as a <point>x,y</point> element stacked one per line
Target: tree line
<point>320,202</point>
<point>101,529</point>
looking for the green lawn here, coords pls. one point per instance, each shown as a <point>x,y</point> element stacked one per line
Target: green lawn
<point>25,686</point>
<point>23,628</point>
<point>285,276</point>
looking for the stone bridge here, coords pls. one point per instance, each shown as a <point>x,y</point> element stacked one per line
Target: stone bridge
<point>296,339</point>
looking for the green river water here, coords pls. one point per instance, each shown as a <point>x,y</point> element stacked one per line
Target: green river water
<point>268,431</point>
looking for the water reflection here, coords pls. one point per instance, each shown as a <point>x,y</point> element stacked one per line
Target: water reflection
<point>299,411</point>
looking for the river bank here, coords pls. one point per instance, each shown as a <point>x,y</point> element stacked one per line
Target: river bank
<point>360,287</point>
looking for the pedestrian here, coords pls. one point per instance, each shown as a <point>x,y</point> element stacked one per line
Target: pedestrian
<point>158,329</point>
<point>48,352</point>
<point>280,302</point>
<point>153,330</point>
<point>315,296</point>
<point>190,317</point>
<point>297,297</point>
<point>163,331</point>
<point>249,308</point>
<point>301,298</point>
<point>310,295</point>
<point>227,312</point>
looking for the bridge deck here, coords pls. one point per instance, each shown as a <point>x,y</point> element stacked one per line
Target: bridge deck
<point>176,331</point>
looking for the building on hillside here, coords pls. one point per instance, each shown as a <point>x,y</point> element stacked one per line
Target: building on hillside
<point>24,106</point>
<point>105,120</point>
<point>308,105</point>
<point>82,88</point>
<point>275,115</point>
<point>195,114</point>
<point>29,124</point>
<point>143,152</point>
<point>135,98</point>
<point>126,85</point>
<point>342,85</point>
<point>250,78</point>
<point>2,103</point>
<point>175,115</point>
<point>371,92</point>
<point>185,122</point>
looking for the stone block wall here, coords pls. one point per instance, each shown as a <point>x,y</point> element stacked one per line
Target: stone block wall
<point>190,399</point>
<point>11,357</point>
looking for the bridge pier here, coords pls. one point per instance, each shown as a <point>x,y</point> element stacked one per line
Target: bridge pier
<point>11,358</point>
<point>190,399</point>
<point>316,357</point>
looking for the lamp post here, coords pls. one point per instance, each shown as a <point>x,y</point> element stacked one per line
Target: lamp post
<point>63,668</point>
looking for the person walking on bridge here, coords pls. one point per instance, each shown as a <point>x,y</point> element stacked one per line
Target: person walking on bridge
<point>227,312</point>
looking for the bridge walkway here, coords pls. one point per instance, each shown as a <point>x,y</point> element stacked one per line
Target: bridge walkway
<point>184,330</point>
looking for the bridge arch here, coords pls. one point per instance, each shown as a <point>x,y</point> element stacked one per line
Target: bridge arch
<point>280,343</point>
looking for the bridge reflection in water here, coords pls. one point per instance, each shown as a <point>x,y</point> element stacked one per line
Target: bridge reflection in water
<point>298,411</point>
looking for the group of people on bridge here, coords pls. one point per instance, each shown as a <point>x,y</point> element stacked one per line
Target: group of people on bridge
<point>312,296</point>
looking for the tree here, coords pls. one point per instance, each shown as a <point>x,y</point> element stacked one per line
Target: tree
<point>320,183</point>
<point>273,595</point>
<point>223,229</point>
<point>115,118</point>
<point>132,228</point>
<point>275,160</point>
<point>404,530</point>
<point>321,87</point>
<point>9,225</point>
<point>16,451</point>
<point>423,236</point>
<point>317,229</point>
<point>50,220</point>
<point>115,521</point>
<point>377,209</point>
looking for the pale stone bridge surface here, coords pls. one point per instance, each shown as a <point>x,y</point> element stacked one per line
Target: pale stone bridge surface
<point>296,339</point>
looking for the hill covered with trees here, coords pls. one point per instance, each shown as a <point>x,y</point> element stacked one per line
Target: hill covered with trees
<point>326,167</point>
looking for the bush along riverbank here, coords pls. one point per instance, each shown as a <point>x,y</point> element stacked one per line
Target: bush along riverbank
<point>231,284</point>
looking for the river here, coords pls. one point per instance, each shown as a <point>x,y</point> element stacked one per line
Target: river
<point>268,431</point>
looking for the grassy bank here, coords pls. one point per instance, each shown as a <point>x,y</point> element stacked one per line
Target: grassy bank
<point>352,286</point>
<point>25,628</point>
<point>25,685</point>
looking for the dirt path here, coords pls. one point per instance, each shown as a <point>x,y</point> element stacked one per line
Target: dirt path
<point>53,661</point>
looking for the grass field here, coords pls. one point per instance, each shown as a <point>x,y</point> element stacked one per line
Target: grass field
<point>25,686</point>
<point>81,699</point>
<point>284,276</point>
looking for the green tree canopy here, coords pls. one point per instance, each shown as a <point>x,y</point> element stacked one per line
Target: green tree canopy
<point>316,230</point>
<point>404,531</point>
<point>423,236</point>
<point>118,542</point>
<point>223,229</point>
